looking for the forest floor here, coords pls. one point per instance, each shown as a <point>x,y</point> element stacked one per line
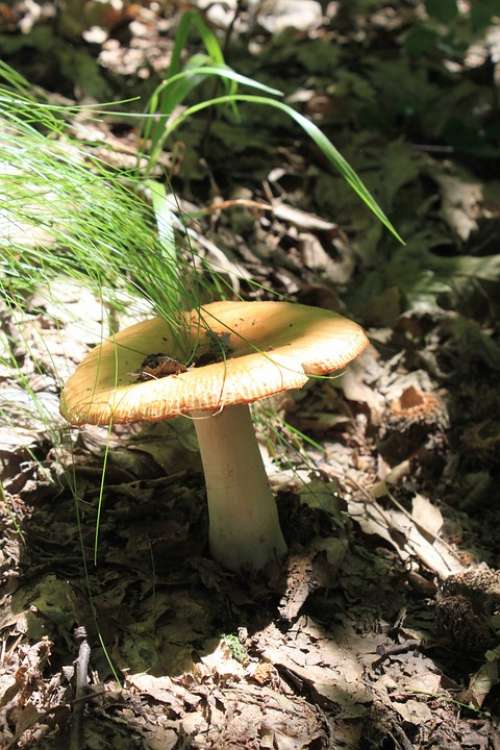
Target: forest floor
<point>382,628</point>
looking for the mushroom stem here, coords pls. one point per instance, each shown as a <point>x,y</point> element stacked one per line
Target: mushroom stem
<point>244,528</point>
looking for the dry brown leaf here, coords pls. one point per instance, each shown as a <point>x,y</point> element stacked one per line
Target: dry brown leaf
<point>300,582</point>
<point>414,712</point>
<point>402,533</point>
<point>330,669</point>
<point>221,663</point>
<point>427,515</point>
<point>427,682</point>
<point>355,389</point>
<point>8,688</point>
<point>162,689</point>
<point>261,717</point>
<point>460,203</point>
<point>302,219</point>
<point>484,679</point>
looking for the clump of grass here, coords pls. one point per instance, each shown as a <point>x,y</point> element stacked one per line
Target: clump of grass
<point>94,219</point>
<point>164,118</point>
<point>65,212</point>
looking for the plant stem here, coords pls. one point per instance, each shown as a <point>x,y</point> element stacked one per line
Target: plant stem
<point>244,528</point>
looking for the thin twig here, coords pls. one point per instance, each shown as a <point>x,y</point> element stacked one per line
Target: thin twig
<point>214,207</point>
<point>82,681</point>
<point>396,648</point>
<point>401,738</point>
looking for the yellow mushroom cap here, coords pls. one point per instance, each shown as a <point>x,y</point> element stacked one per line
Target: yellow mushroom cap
<point>273,346</point>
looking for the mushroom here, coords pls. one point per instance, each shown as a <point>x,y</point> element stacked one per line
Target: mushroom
<point>264,348</point>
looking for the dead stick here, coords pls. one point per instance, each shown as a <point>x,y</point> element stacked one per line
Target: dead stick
<point>82,681</point>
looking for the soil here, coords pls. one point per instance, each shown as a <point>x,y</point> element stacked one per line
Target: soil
<point>159,365</point>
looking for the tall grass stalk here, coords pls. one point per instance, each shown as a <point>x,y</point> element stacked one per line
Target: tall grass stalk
<point>175,90</point>
<point>64,212</point>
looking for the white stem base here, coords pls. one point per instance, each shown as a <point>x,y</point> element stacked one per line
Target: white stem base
<point>244,528</point>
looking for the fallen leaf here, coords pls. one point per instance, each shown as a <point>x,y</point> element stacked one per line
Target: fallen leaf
<point>481,683</point>
<point>302,219</point>
<point>8,688</point>
<point>355,388</point>
<point>414,712</point>
<point>402,534</point>
<point>220,661</point>
<point>162,689</point>
<point>460,203</point>
<point>300,582</point>
<point>319,660</point>
<point>427,515</point>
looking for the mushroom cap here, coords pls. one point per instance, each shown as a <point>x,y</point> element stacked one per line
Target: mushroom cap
<point>272,347</point>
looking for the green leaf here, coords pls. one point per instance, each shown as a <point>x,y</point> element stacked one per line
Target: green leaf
<point>420,39</point>
<point>481,13</point>
<point>442,10</point>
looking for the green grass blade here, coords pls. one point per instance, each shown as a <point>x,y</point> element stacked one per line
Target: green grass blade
<point>81,218</point>
<point>224,71</point>
<point>320,139</point>
<point>189,20</point>
<point>212,46</point>
<point>165,218</point>
<point>174,90</point>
